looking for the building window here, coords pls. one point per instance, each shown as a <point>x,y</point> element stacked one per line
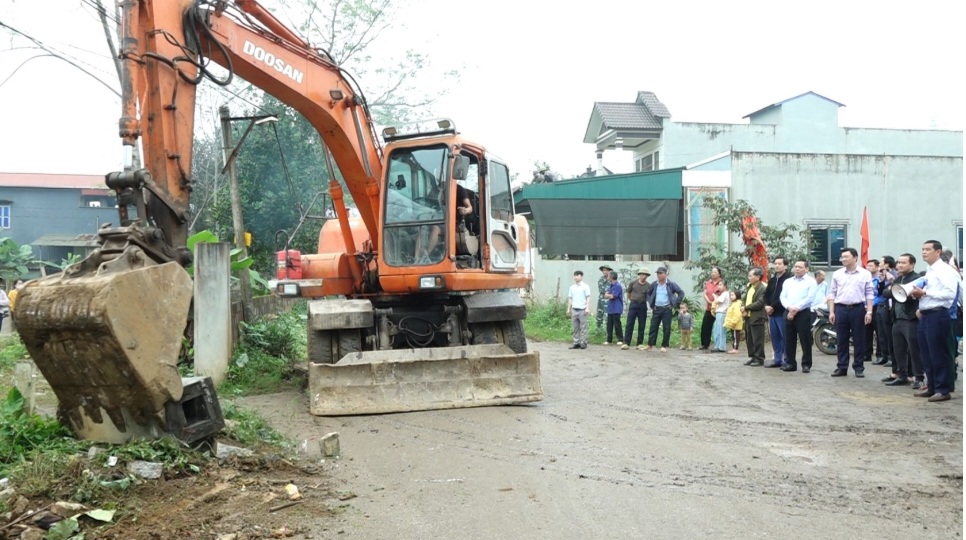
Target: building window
<point>959,244</point>
<point>827,243</point>
<point>91,198</point>
<point>646,163</point>
<point>5,218</point>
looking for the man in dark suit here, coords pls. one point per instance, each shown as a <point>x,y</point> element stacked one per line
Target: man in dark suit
<point>753,310</point>
<point>776,311</point>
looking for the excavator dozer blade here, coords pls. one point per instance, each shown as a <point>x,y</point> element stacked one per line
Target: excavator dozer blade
<point>108,344</point>
<point>375,382</point>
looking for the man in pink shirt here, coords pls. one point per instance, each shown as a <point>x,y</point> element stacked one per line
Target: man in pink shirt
<point>850,297</point>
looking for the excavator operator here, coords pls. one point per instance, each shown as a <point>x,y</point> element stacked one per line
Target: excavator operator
<point>464,208</point>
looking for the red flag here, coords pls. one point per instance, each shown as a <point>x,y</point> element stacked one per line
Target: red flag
<point>864,232</point>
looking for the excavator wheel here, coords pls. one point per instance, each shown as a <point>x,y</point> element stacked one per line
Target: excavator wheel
<point>329,346</point>
<point>509,333</point>
<point>320,348</point>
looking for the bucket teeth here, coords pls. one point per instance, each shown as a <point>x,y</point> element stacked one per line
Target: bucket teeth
<point>108,341</point>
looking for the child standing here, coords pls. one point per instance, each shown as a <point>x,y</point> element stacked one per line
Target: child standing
<point>722,300</point>
<point>685,325</point>
<point>734,322</point>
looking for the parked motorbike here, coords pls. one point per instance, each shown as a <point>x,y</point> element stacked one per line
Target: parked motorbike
<point>823,332</point>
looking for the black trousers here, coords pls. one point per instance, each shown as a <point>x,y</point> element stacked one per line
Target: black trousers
<point>636,312</point>
<point>905,347</point>
<point>661,316</point>
<point>799,330</point>
<point>707,326</point>
<point>850,325</point>
<point>755,338</point>
<point>614,324</point>
<point>882,319</point>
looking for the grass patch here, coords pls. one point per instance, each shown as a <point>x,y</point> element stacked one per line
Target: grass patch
<point>21,433</point>
<point>11,350</point>
<point>549,322</point>
<point>249,429</point>
<point>267,358</point>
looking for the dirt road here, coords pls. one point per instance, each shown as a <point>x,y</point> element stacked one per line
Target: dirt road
<point>630,444</point>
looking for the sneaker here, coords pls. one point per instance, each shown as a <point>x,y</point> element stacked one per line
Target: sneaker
<point>583,345</point>
<point>606,343</point>
<point>620,343</point>
<point>624,347</point>
<point>918,385</point>
<point>663,349</point>
<point>574,346</point>
<point>641,348</point>
<point>646,348</point>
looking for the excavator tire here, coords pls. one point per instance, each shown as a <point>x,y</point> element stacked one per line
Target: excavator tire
<point>509,333</point>
<point>319,345</point>
<point>328,346</point>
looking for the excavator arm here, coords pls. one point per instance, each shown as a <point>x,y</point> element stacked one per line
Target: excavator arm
<point>437,331</point>
<point>106,333</point>
<point>167,48</point>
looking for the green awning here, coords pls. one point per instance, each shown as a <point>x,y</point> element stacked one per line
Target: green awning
<point>626,213</point>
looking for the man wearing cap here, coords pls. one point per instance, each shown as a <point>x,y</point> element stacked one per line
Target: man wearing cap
<point>663,298</point>
<point>603,283</point>
<point>637,308</point>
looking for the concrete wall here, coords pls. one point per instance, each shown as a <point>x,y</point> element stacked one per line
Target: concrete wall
<point>910,198</point>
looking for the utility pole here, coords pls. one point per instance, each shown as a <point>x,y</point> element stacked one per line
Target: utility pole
<point>238,223</point>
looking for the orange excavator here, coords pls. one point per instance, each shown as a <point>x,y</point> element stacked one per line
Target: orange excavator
<point>414,302</point>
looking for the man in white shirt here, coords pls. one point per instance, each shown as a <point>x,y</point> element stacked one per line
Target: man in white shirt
<point>935,299</point>
<point>797,296</point>
<point>821,291</point>
<point>578,302</point>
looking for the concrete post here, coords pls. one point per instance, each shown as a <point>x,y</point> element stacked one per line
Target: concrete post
<point>237,219</point>
<point>212,310</point>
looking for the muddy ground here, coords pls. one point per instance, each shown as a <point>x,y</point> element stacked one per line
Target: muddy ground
<point>630,444</point>
<point>625,445</point>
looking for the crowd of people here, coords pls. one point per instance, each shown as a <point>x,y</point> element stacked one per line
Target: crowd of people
<point>884,314</point>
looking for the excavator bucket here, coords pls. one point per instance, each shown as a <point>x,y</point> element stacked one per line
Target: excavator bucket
<point>376,382</point>
<point>108,343</point>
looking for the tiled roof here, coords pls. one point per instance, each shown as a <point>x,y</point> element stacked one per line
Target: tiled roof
<point>653,104</point>
<point>626,116</point>
<point>61,181</point>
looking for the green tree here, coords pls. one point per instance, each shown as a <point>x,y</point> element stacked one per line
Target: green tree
<point>784,239</point>
<point>282,176</point>
<point>15,260</point>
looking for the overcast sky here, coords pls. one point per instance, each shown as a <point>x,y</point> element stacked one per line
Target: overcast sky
<point>531,71</point>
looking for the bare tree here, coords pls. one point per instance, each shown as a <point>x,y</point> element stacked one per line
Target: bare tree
<point>347,31</point>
